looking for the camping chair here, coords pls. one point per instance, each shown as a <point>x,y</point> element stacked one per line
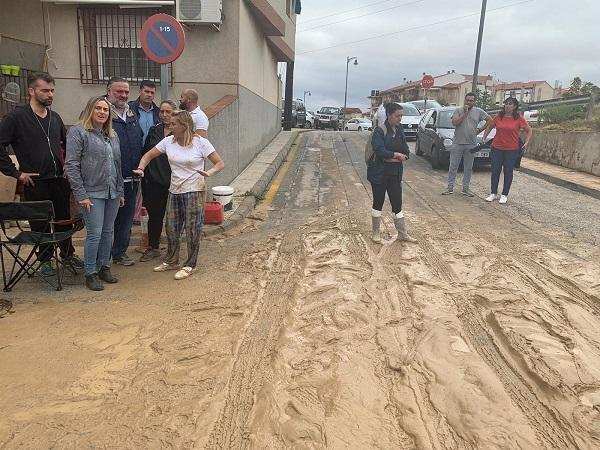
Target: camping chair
<point>11,246</point>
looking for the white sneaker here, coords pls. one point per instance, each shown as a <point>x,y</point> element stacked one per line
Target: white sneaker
<point>491,198</point>
<point>184,272</point>
<point>164,267</point>
<point>503,199</point>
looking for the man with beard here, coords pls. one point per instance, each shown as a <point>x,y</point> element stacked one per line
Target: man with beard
<point>127,127</point>
<point>37,135</point>
<point>465,120</point>
<point>188,101</point>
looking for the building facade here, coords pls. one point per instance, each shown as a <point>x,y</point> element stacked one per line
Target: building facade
<point>232,63</point>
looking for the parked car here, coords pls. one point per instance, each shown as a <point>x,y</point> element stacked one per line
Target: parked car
<point>423,108</point>
<point>310,120</point>
<point>298,114</point>
<point>410,119</point>
<point>532,116</point>
<point>328,117</point>
<point>359,125</point>
<point>435,135</point>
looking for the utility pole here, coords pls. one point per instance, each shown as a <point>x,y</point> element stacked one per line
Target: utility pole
<point>304,98</point>
<point>478,52</point>
<point>348,59</point>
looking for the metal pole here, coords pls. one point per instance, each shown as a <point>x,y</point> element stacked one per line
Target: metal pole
<point>164,82</point>
<point>289,93</point>
<point>345,94</point>
<point>478,52</point>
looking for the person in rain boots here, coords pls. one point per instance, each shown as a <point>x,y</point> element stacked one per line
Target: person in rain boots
<point>384,171</point>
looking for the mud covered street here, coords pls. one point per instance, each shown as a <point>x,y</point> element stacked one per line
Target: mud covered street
<point>299,332</point>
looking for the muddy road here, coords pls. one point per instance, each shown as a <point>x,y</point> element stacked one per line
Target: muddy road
<point>299,332</point>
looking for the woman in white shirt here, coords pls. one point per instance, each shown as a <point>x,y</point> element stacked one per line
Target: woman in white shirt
<point>185,206</point>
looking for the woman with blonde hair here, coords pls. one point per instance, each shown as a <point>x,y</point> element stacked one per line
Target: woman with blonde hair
<point>187,153</point>
<point>93,167</point>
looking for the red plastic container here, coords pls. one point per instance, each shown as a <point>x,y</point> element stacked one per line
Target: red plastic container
<point>213,213</point>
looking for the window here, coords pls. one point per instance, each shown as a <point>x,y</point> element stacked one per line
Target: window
<point>110,45</point>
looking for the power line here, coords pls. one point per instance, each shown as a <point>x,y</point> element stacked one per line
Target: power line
<point>345,12</point>
<point>452,19</point>
<point>358,17</point>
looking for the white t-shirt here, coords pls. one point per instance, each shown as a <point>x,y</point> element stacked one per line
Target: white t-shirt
<point>200,119</point>
<point>185,163</point>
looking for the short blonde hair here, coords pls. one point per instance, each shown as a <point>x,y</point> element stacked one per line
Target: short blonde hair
<point>85,118</point>
<point>185,119</point>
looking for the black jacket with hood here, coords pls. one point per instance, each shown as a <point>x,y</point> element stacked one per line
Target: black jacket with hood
<point>22,129</point>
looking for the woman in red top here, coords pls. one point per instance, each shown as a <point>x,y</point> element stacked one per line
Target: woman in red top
<point>506,147</point>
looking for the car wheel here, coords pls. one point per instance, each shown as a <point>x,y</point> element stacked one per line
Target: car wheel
<point>346,129</point>
<point>308,125</point>
<point>359,128</point>
<point>418,150</point>
<point>436,162</point>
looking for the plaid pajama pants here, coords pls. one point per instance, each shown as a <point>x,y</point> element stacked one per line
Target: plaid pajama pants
<point>184,211</point>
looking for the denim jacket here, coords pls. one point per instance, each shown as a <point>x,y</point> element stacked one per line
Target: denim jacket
<point>382,147</point>
<point>86,162</point>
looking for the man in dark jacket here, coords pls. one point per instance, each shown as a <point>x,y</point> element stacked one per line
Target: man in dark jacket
<point>127,127</point>
<point>144,107</point>
<point>37,135</point>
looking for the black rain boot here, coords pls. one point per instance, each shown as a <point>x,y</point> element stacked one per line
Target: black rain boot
<point>93,283</point>
<point>105,275</point>
<point>402,233</point>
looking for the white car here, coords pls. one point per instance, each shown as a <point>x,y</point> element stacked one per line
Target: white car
<point>410,119</point>
<point>310,120</point>
<point>532,116</point>
<point>359,125</point>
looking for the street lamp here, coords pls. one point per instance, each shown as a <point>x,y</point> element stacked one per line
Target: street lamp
<point>348,59</point>
<point>304,101</point>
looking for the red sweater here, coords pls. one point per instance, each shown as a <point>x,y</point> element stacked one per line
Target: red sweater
<point>507,132</point>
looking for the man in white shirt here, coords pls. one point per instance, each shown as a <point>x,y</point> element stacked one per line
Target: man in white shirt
<point>188,101</point>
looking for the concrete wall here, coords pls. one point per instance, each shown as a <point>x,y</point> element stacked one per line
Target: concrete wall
<point>257,64</point>
<point>578,150</point>
<point>223,133</point>
<point>252,138</point>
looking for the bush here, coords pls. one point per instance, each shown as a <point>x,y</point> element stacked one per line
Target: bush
<point>562,113</point>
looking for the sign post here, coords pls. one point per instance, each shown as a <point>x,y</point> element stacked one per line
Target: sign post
<point>163,41</point>
<point>426,83</point>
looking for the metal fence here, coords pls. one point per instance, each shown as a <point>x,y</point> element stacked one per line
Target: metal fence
<point>575,100</point>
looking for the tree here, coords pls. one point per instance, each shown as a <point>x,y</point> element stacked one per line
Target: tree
<point>484,100</point>
<point>589,88</point>
<point>579,87</point>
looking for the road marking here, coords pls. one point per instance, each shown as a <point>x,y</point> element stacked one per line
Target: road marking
<point>282,172</point>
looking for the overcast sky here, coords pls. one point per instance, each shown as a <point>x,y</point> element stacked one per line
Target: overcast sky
<point>523,40</point>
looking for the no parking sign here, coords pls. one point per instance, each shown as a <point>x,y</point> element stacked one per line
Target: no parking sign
<point>163,38</point>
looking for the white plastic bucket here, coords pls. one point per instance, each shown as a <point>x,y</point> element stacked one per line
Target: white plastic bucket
<point>223,194</point>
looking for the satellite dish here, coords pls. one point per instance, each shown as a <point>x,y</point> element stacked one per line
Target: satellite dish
<point>11,92</point>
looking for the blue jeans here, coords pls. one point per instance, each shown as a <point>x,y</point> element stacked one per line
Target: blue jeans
<point>99,222</point>
<point>503,159</point>
<point>124,220</point>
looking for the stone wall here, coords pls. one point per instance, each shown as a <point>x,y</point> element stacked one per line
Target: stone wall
<point>578,150</point>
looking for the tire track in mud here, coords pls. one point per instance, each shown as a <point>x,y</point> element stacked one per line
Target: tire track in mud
<point>256,347</point>
<point>550,427</point>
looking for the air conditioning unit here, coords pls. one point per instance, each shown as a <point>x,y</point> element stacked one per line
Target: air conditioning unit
<point>209,12</point>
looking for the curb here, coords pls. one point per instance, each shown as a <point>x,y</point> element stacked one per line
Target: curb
<point>562,183</point>
<point>247,205</point>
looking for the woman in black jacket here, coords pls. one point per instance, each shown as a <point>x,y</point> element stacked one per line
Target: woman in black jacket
<point>156,181</point>
<point>386,169</point>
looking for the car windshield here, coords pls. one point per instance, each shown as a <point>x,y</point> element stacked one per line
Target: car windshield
<point>364,120</point>
<point>410,110</point>
<point>445,119</point>
<point>328,110</point>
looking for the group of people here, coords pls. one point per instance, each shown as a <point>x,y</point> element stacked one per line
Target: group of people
<point>390,150</point>
<point>102,159</point>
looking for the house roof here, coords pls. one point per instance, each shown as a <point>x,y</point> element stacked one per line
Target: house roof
<point>352,110</point>
<point>518,85</point>
<point>481,79</point>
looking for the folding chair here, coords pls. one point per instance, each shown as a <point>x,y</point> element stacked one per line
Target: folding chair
<point>29,263</point>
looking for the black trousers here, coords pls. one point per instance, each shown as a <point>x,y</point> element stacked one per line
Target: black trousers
<point>392,184</point>
<point>58,191</point>
<point>155,200</point>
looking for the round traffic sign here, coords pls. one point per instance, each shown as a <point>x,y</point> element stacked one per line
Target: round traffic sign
<point>427,82</point>
<point>163,38</point>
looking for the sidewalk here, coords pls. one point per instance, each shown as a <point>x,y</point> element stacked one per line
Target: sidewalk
<point>251,184</point>
<point>581,182</point>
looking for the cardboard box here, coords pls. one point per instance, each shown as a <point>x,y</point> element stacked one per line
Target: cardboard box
<point>8,185</point>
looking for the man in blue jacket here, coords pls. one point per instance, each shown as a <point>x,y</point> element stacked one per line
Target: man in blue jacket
<point>127,126</point>
<point>144,107</point>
